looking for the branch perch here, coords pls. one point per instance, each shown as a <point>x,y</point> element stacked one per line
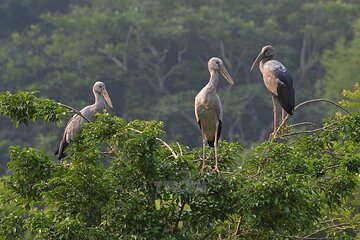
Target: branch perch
<point>162,141</point>
<point>321,100</point>
<point>302,104</point>
<point>74,111</point>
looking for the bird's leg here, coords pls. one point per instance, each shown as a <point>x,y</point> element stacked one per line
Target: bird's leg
<point>215,148</point>
<point>216,159</point>
<point>282,124</point>
<point>274,107</point>
<point>204,155</point>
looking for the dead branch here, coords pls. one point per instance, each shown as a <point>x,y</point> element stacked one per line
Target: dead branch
<point>162,141</point>
<point>304,123</point>
<point>301,105</point>
<point>73,110</point>
<point>321,100</point>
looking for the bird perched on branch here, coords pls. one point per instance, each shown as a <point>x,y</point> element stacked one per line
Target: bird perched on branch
<point>277,80</point>
<point>208,109</point>
<point>76,122</point>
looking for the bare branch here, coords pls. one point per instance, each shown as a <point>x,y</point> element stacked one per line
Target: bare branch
<point>162,141</point>
<point>113,59</point>
<point>180,53</point>
<point>223,54</point>
<point>308,131</point>
<point>321,100</point>
<point>74,111</point>
<point>181,152</point>
<point>328,227</point>
<point>126,45</point>
<point>302,104</point>
<point>238,226</point>
<point>304,123</point>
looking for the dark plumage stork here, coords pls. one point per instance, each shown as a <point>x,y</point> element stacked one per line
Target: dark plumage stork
<point>208,109</point>
<point>75,123</point>
<point>277,80</point>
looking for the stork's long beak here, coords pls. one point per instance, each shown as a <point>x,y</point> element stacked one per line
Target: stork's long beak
<point>107,97</point>
<point>224,72</point>
<point>257,60</point>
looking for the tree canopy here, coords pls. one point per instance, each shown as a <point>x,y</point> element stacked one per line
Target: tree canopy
<point>133,173</point>
<point>121,181</point>
<point>153,56</point>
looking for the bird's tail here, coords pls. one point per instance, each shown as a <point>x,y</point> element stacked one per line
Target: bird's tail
<point>211,143</point>
<point>60,151</point>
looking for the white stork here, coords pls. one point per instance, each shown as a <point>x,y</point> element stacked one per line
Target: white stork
<point>208,109</point>
<point>277,80</point>
<point>75,123</point>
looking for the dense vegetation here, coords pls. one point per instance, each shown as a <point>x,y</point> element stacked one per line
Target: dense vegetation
<point>134,172</point>
<point>152,55</point>
<point>120,180</point>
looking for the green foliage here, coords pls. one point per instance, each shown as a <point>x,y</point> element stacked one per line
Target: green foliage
<point>341,65</point>
<point>153,55</point>
<point>353,98</point>
<point>24,106</point>
<point>30,172</point>
<point>120,180</point>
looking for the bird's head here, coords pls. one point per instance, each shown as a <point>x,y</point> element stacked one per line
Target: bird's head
<point>217,65</point>
<point>267,52</point>
<point>99,88</point>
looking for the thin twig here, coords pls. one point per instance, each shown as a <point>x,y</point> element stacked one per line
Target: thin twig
<point>329,227</point>
<point>304,123</point>
<point>74,111</point>
<point>321,100</point>
<point>238,229</point>
<point>308,131</point>
<point>302,104</point>
<point>162,141</point>
<point>332,167</point>
<point>181,153</point>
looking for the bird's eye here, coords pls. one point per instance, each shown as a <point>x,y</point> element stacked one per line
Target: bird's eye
<point>217,62</point>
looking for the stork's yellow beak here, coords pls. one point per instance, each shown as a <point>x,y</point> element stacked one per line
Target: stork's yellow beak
<point>257,60</point>
<point>224,72</point>
<point>107,97</point>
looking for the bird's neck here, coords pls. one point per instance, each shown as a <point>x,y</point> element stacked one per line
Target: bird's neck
<point>262,63</point>
<point>99,102</point>
<point>214,78</point>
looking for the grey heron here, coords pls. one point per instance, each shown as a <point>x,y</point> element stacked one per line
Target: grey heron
<point>277,80</point>
<point>208,108</point>
<point>76,122</point>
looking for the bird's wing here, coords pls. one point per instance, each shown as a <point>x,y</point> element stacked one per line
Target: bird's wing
<point>75,124</point>
<point>197,108</point>
<point>271,82</point>
<point>285,90</point>
<point>220,117</point>
<point>73,127</point>
<point>60,151</point>
<point>219,108</point>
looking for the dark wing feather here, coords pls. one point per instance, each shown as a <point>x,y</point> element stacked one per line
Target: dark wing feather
<point>211,143</point>
<point>62,146</point>
<point>285,89</point>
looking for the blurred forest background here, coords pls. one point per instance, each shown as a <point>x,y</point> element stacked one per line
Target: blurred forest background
<point>152,55</point>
